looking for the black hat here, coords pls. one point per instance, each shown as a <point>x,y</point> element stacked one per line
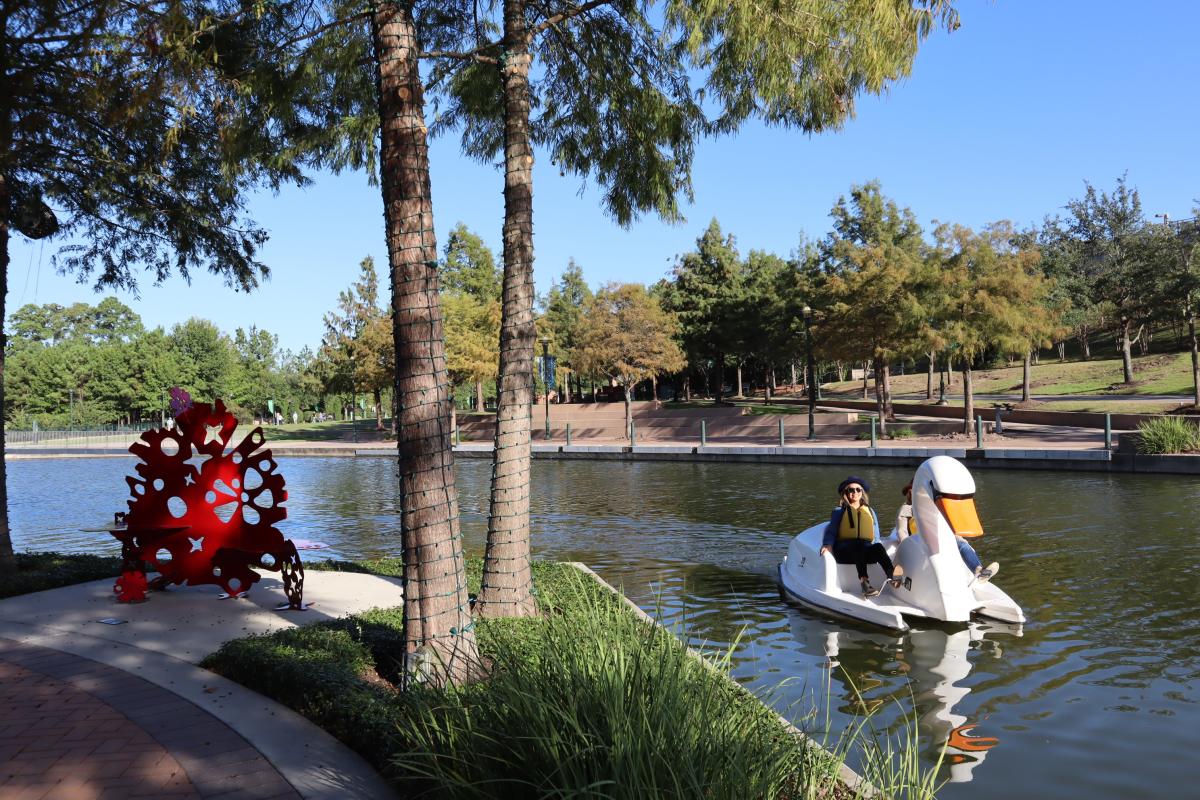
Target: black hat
<point>853,479</point>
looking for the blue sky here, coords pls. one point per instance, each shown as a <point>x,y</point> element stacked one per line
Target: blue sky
<point>1003,119</point>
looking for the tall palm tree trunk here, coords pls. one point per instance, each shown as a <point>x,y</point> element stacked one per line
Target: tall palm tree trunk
<point>507,581</point>
<point>8,561</point>
<point>439,640</point>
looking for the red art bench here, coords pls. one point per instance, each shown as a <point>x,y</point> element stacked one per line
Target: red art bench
<point>201,513</point>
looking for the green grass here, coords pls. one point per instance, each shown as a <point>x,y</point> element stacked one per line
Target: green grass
<point>1110,406</point>
<point>1154,374</point>
<point>584,701</point>
<point>759,409</point>
<point>326,431</point>
<point>1168,435</point>
<point>40,571</point>
<point>700,404</point>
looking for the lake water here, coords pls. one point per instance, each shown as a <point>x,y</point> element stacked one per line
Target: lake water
<point>1099,692</point>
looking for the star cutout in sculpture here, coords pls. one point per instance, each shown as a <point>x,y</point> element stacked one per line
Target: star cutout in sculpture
<point>196,462</point>
<point>212,433</point>
<point>197,544</point>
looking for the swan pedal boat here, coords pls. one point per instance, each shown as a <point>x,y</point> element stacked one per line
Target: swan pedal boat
<point>937,585</point>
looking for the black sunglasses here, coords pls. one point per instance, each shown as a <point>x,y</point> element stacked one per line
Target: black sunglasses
<point>852,490</point>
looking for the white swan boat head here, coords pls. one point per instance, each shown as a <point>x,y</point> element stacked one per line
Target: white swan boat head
<point>937,584</point>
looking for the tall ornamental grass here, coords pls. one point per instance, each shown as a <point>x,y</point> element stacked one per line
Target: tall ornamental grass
<point>599,704</point>
<point>587,701</point>
<point>1166,435</point>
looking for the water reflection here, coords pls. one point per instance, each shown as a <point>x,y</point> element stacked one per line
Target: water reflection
<point>1106,567</point>
<point>934,663</point>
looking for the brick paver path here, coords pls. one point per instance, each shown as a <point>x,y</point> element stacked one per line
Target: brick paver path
<point>74,728</point>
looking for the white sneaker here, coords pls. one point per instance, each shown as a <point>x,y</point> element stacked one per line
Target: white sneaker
<point>988,572</point>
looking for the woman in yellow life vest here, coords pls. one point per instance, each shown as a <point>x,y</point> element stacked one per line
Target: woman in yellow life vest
<point>852,535</point>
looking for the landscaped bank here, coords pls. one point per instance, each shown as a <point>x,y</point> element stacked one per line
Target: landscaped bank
<point>586,701</point>
<point>37,572</point>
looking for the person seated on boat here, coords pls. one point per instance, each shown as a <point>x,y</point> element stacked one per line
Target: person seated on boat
<point>906,525</point>
<point>852,535</point>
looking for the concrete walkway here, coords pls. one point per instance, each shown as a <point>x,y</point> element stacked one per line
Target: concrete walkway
<point>90,709</point>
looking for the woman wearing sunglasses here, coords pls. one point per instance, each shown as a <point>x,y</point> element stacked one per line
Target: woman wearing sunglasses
<point>852,535</point>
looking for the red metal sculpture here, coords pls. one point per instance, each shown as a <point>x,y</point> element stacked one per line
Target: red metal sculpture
<point>202,514</point>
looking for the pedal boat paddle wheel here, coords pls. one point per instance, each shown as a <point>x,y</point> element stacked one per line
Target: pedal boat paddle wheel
<point>937,584</point>
<point>202,513</point>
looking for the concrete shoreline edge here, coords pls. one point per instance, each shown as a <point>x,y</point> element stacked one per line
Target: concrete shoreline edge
<point>1058,459</point>
<point>855,782</point>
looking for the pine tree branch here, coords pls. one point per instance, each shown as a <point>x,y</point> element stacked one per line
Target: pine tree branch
<point>363,15</point>
<point>550,22</point>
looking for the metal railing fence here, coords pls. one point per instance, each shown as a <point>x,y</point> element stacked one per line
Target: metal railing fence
<point>92,436</point>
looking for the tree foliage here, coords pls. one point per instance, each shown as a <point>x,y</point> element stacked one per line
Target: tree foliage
<point>877,293</point>
<point>1106,230</point>
<point>121,129</point>
<point>705,295</point>
<point>357,348</point>
<point>471,305</point>
<point>991,295</point>
<point>71,367</point>
<point>469,266</point>
<point>472,337</point>
<point>627,337</point>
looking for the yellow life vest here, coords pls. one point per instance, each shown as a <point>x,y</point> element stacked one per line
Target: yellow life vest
<point>857,524</point>
<point>912,525</point>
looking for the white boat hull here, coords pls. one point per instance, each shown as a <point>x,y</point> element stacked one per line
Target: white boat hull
<point>818,580</point>
<point>938,586</point>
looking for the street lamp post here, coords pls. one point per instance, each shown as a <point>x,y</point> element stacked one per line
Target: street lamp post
<point>546,377</point>
<point>812,374</point>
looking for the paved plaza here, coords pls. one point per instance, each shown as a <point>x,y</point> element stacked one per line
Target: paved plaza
<point>99,699</point>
